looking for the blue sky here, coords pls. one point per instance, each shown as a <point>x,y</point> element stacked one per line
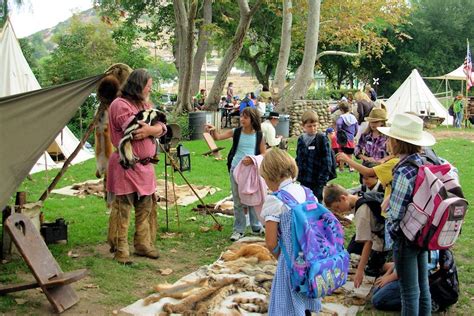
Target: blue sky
<point>37,15</point>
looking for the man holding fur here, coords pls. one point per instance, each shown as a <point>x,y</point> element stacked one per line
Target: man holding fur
<point>133,187</point>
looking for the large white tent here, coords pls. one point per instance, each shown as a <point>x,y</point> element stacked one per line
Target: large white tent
<point>16,77</point>
<point>415,96</point>
<point>456,74</point>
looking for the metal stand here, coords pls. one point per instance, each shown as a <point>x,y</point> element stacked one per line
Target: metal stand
<point>173,164</point>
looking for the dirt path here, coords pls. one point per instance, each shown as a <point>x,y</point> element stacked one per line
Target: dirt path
<point>447,134</point>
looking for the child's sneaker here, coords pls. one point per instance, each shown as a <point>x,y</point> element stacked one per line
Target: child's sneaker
<point>259,232</point>
<point>236,236</point>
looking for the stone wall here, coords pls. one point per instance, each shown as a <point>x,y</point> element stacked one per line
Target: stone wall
<point>300,106</point>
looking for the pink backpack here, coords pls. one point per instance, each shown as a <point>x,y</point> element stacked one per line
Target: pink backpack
<point>433,219</point>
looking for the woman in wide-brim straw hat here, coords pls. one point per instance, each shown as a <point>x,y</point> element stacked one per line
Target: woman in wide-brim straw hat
<point>406,139</point>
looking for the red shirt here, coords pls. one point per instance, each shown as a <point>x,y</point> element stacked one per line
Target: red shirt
<point>140,178</point>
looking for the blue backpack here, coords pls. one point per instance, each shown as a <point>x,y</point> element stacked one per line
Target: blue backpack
<point>320,263</point>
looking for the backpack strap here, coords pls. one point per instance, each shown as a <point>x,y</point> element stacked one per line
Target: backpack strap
<point>235,143</point>
<point>373,200</point>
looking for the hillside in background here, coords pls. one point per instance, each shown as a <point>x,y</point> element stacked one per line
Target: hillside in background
<point>41,41</point>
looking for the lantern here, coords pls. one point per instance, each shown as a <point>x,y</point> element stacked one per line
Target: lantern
<point>184,158</point>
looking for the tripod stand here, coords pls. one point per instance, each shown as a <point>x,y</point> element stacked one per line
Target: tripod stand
<point>165,148</point>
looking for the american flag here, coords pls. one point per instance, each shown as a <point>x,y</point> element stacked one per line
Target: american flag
<point>468,68</point>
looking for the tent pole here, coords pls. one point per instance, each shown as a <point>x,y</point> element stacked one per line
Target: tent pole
<point>68,161</point>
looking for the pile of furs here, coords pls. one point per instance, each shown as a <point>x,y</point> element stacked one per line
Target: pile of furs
<point>219,288</point>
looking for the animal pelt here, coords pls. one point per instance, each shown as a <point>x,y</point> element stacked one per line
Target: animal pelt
<point>233,311</point>
<point>150,117</point>
<point>251,250</point>
<point>253,305</point>
<point>108,89</point>
<point>119,71</point>
<point>204,308</point>
<point>103,145</point>
<point>176,291</point>
<point>188,305</point>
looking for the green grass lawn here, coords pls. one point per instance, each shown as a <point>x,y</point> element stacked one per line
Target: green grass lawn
<point>187,247</point>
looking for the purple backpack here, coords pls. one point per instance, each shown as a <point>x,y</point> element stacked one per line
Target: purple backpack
<point>320,263</point>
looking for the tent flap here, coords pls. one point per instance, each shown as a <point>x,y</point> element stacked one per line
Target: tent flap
<point>29,122</point>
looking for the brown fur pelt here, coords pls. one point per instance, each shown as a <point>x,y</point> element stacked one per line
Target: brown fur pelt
<point>188,304</point>
<point>253,305</point>
<point>251,250</point>
<point>119,71</point>
<point>204,308</point>
<point>176,291</point>
<point>103,145</point>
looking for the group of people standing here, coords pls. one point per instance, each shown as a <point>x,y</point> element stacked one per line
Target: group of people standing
<point>383,151</point>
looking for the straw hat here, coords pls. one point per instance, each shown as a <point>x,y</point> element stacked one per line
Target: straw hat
<point>376,115</point>
<point>408,128</point>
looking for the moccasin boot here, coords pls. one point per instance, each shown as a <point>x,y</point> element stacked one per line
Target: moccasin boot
<point>149,253</point>
<point>122,259</point>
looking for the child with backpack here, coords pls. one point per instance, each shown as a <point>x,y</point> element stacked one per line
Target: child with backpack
<point>247,141</point>
<point>406,138</point>
<point>369,225</point>
<point>314,156</point>
<point>346,130</point>
<point>293,220</point>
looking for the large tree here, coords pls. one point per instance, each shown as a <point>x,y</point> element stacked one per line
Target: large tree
<point>232,52</point>
<point>298,88</point>
<point>285,47</point>
<point>202,45</point>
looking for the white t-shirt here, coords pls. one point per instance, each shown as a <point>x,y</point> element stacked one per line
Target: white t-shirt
<point>269,134</point>
<point>365,224</point>
<point>273,207</point>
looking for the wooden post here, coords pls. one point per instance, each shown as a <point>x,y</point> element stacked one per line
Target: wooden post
<point>6,239</point>
<point>68,161</point>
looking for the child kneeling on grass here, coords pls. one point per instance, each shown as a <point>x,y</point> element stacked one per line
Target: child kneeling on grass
<point>369,229</point>
<point>279,171</point>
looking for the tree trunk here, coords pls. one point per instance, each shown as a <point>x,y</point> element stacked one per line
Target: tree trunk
<point>262,77</point>
<point>232,53</point>
<point>203,43</point>
<point>305,74</point>
<point>185,20</point>
<point>180,15</point>
<point>285,47</point>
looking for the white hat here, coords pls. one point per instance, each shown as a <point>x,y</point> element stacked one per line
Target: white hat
<point>408,128</point>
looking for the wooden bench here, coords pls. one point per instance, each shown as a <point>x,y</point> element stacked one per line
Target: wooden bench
<point>214,150</point>
<point>49,276</point>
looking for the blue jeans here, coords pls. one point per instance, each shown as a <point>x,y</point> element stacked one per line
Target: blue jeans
<point>387,298</point>
<point>458,119</point>
<point>411,264</point>
<point>240,222</point>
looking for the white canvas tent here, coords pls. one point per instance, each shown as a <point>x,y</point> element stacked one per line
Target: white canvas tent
<point>16,77</point>
<point>456,74</point>
<point>415,96</point>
